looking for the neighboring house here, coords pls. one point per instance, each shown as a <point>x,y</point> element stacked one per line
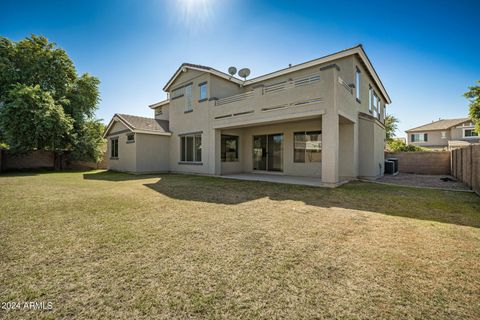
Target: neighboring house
<point>400,139</point>
<point>444,134</point>
<point>323,118</point>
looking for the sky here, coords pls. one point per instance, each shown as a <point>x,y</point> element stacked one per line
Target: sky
<point>426,53</point>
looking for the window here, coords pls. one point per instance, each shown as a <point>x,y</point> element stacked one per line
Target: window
<point>370,99</point>
<point>229,148</point>
<point>467,133</point>
<point>375,103</point>
<point>177,93</point>
<point>379,108</point>
<point>203,91</point>
<point>419,137</point>
<point>114,148</point>
<point>357,84</point>
<point>444,134</point>
<point>158,111</point>
<point>308,146</point>
<point>191,148</point>
<point>188,98</point>
<point>130,137</point>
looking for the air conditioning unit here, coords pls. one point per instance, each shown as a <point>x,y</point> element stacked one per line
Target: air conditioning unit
<point>389,167</point>
<point>395,162</point>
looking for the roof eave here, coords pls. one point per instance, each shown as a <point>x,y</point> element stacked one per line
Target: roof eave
<point>157,133</point>
<point>116,117</point>
<point>183,68</point>
<point>159,104</point>
<point>334,56</point>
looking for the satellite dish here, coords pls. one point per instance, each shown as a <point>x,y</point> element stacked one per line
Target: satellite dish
<point>244,73</point>
<point>232,71</point>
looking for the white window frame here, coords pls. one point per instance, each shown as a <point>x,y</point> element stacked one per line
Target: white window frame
<point>358,80</point>
<point>370,99</point>
<point>188,98</point>
<point>308,146</point>
<point>443,134</point>
<point>470,137</point>
<point>202,86</point>
<point>422,134</point>
<point>196,158</point>
<point>159,111</point>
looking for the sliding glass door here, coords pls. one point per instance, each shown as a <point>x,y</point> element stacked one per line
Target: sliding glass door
<point>268,152</point>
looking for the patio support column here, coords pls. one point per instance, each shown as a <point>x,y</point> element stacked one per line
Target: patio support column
<point>347,150</point>
<point>214,150</point>
<point>330,140</point>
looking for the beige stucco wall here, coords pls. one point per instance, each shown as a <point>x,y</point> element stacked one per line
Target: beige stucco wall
<point>288,129</point>
<point>149,153</point>
<point>195,121</point>
<point>371,146</point>
<point>457,133</point>
<point>126,161</point>
<point>152,153</point>
<point>354,147</point>
<point>434,138</point>
<point>365,82</point>
<point>236,166</point>
<point>164,115</point>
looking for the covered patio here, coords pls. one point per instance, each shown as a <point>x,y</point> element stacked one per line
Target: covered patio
<point>315,151</point>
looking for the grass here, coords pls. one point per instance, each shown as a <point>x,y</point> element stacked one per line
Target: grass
<point>108,245</point>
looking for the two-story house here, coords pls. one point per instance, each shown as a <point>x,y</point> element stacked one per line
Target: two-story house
<point>323,118</point>
<point>444,134</point>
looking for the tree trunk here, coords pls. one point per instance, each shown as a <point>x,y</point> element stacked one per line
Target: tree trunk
<point>58,161</point>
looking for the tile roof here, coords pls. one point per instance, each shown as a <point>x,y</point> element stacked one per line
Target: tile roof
<point>147,124</point>
<point>440,124</point>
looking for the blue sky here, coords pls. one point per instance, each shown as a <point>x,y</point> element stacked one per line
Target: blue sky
<point>427,54</point>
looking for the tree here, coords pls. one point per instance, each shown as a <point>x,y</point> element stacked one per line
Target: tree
<point>90,144</point>
<point>391,125</point>
<point>36,76</point>
<point>473,95</point>
<point>400,146</point>
<point>45,124</point>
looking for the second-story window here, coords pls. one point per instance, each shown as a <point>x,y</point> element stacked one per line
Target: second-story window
<point>177,93</point>
<point>158,111</point>
<point>357,84</point>
<point>419,137</point>
<point>203,91</point>
<point>370,99</point>
<point>467,133</point>
<point>188,98</point>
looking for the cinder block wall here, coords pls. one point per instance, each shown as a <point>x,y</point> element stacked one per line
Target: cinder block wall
<point>422,162</point>
<point>34,160</point>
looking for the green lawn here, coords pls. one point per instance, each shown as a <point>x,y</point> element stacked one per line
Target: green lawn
<point>108,245</point>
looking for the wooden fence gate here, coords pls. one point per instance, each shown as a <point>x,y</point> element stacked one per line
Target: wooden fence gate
<point>466,166</point>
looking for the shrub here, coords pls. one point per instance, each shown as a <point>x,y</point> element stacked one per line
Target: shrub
<point>400,146</point>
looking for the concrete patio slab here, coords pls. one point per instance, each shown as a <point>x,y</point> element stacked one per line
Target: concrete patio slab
<point>278,178</point>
